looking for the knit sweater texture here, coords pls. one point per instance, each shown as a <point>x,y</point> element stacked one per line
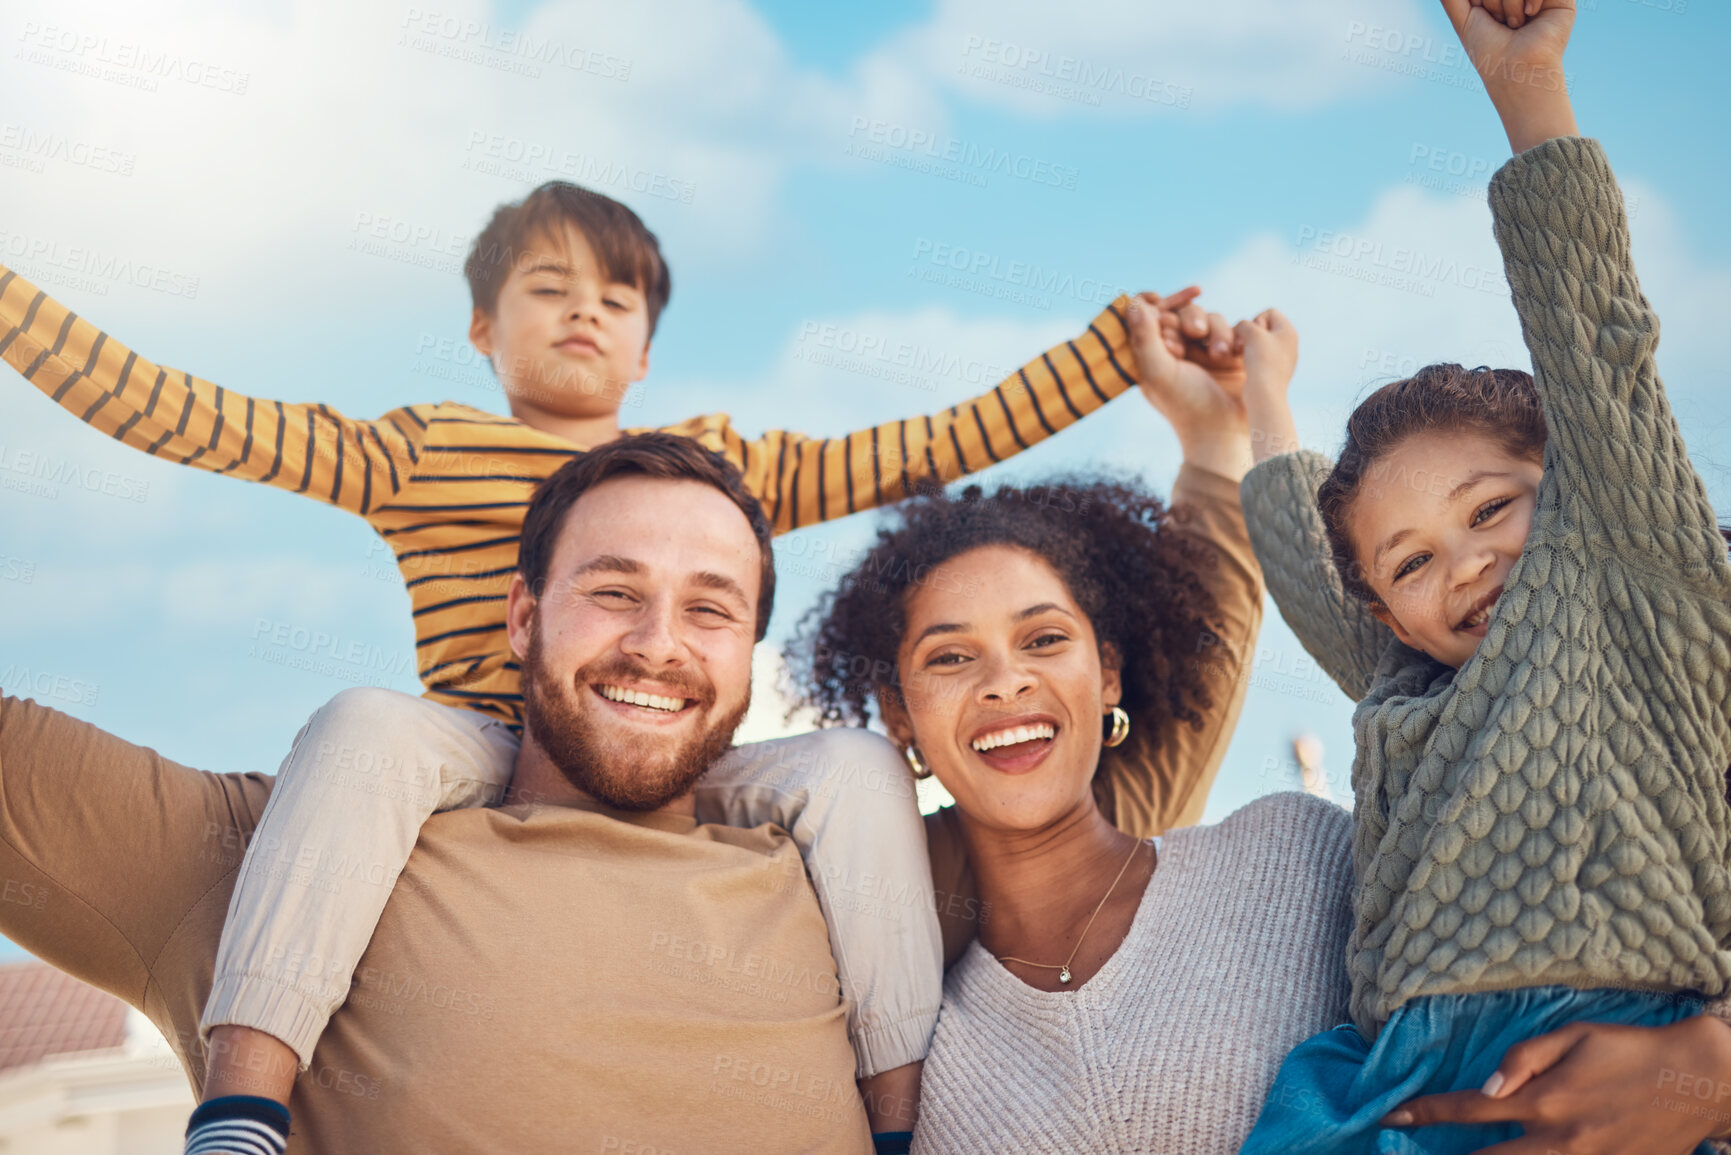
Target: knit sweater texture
<point>1555,810</point>
<point>1236,955</point>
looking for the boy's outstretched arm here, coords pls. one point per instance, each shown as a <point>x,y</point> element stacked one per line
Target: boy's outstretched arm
<point>355,465</point>
<point>803,480</point>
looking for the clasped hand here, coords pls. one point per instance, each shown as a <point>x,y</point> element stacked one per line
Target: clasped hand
<point>1214,381</point>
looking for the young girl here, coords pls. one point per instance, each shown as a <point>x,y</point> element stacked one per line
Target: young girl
<point>1541,828</point>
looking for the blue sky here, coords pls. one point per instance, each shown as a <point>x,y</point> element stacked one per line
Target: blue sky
<point>1223,144</point>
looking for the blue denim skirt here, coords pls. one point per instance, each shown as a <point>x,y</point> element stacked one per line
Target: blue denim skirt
<point>1333,1088</point>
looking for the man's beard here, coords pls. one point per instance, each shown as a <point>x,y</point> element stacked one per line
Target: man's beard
<point>636,773</point>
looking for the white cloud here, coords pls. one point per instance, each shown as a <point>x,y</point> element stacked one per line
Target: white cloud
<point>1044,59</point>
<point>1419,280</point>
<point>324,115</point>
<point>840,373</point>
<point>1689,298</point>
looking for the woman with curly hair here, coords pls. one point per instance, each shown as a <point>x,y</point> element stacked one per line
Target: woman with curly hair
<point>1068,661</point>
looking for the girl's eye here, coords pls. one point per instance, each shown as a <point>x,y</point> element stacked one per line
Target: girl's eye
<point>546,291</point>
<point>1410,565</point>
<point>1484,512</point>
<point>615,304</point>
<point>1045,640</point>
<point>948,658</point>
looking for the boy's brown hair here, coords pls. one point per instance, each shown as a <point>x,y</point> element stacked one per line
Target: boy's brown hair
<point>627,250</point>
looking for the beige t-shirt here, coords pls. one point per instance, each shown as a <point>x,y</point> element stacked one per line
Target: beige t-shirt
<point>544,978</point>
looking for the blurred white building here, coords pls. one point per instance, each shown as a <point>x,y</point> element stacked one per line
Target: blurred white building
<point>81,1073</point>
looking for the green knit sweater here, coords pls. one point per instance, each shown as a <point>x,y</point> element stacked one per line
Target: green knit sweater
<point>1554,812</point>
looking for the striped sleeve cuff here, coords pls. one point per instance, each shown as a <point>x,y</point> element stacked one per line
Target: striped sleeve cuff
<point>238,1125</point>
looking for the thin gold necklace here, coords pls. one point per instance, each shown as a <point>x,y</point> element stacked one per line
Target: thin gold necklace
<point>1063,968</point>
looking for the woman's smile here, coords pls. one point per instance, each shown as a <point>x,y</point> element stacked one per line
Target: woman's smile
<point>1015,745</point>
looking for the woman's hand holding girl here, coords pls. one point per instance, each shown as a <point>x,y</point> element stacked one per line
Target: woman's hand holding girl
<point>1600,1089</point>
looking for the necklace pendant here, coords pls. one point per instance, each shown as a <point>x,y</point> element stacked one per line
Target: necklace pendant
<point>1064,974</point>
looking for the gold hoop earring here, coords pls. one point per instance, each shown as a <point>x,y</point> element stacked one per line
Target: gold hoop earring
<point>915,762</point>
<point>1120,727</point>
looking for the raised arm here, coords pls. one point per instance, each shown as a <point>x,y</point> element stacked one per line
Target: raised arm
<point>804,480</point>
<point>355,465</point>
<point>1284,523</point>
<point>1193,374</point>
<point>1159,780</point>
<point>1285,528</point>
<point>1614,452</point>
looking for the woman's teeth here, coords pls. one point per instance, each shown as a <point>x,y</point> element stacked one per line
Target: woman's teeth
<point>639,698</point>
<point>1015,735</point>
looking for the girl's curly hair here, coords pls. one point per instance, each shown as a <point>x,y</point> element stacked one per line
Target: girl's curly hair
<point>1502,404</point>
<point>1110,542</point>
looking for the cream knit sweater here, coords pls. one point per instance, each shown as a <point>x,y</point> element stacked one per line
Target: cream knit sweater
<point>1236,955</point>
<point>1555,811</point>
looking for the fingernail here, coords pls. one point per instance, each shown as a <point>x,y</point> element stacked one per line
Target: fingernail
<point>1400,1117</point>
<point>1135,305</point>
<point>1493,1084</point>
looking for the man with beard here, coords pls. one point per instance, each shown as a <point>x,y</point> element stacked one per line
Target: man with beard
<point>585,967</point>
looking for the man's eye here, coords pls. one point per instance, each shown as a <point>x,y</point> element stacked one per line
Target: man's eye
<point>1485,511</point>
<point>1410,565</point>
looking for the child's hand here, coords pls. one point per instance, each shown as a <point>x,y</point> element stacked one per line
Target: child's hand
<point>1192,371</point>
<point>1517,47</point>
<point>1270,349</point>
<point>1270,356</point>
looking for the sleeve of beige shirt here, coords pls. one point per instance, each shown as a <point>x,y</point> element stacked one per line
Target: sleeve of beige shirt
<point>108,849</point>
<point>1160,777</point>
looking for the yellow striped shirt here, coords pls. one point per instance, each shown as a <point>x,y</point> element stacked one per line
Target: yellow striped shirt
<point>447,485</point>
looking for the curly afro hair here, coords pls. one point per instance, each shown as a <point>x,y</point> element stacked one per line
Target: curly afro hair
<point>1502,404</point>
<point>1110,543</point>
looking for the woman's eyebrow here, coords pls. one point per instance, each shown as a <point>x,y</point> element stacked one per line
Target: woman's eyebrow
<point>940,628</point>
<point>958,627</point>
